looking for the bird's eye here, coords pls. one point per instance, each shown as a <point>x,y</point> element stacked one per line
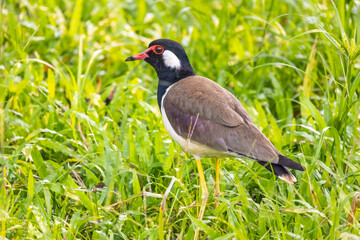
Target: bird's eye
<point>158,49</point>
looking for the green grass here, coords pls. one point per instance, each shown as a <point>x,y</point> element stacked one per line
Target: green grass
<point>73,167</point>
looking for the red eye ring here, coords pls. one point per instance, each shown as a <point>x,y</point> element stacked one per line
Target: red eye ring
<point>157,49</point>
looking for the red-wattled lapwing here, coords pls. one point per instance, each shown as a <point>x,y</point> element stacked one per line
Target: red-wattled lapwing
<point>205,119</point>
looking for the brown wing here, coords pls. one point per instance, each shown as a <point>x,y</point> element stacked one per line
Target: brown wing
<point>222,123</point>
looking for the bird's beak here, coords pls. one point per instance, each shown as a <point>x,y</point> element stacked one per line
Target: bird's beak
<point>139,56</point>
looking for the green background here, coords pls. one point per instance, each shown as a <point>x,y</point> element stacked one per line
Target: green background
<point>74,167</point>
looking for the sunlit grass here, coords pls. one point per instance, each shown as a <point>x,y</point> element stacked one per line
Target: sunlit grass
<point>84,153</point>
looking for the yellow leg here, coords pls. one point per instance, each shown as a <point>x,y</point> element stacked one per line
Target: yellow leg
<point>204,195</point>
<point>217,181</point>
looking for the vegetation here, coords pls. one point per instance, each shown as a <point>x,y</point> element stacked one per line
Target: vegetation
<point>84,153</point>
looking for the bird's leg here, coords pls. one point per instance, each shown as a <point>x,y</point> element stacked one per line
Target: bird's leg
<point>217,192</point>
<point>204,195</point>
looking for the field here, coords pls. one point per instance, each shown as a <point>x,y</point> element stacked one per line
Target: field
<point>83,150</point>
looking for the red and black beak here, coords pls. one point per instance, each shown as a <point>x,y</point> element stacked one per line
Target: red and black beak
<point>139,56</point>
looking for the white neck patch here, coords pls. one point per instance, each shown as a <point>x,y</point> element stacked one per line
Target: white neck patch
<point>171,60</point>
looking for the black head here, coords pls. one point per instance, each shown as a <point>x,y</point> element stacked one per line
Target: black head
<point>168,58</point>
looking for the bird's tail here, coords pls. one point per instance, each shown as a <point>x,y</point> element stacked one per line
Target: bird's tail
<point>281,170</point>
<point>287,162</point>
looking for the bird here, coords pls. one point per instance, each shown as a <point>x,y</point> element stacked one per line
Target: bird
<point>205,119</point>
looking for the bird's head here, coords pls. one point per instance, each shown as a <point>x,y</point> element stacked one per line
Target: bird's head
<point>168,58</point>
